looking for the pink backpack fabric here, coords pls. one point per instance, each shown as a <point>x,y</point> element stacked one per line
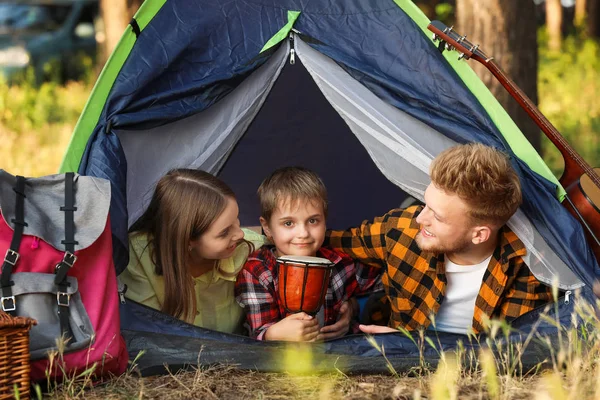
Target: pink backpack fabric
<point>83,306</point>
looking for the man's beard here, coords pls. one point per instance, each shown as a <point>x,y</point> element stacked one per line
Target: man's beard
<point>439,248</point>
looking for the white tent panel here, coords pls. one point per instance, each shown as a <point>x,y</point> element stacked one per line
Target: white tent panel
<point>202,141</point>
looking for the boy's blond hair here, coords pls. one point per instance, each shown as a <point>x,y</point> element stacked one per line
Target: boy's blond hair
<point>290,184</point>
<point>481,176</point>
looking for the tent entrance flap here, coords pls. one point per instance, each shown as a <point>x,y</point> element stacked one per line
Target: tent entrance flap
<point>314,114</point>
<point>298,126</point>
<point>402,147</point>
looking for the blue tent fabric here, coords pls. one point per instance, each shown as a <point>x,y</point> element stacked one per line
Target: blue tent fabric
<point>193,53</point>
<point>168,341</point>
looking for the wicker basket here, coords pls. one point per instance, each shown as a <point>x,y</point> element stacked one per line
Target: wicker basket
<point>14,356</point>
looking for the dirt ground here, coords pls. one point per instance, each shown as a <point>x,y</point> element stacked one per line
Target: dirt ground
<point>230,383</point>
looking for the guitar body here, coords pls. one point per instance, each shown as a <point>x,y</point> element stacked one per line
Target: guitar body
<point>585,195</point>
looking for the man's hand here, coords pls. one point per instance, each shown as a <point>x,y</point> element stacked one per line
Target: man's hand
<point>340,328</point>
<point>299,327</point>
<point>372,329</point>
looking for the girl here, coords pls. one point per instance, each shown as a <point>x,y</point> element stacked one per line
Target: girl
<point>187,249</point>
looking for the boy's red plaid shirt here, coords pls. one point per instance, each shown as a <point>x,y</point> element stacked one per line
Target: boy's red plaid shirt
<point>256,288</point>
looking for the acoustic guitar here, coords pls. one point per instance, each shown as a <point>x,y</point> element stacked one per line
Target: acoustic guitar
<point>580,181</point>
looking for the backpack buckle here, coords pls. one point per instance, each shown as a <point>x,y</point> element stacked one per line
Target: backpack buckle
<point>63,267</point>
<point>69,258</point>
<point>11,257</point>
<point>63,299</point>
<point>10,307</point>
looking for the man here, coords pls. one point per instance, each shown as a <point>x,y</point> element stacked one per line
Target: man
<point>453,258</point>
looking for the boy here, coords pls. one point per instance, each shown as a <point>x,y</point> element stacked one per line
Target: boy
<point>293,210</point>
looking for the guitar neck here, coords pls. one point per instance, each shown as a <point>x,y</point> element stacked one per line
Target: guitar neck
<point>546,126</point>
<point>575,166</point>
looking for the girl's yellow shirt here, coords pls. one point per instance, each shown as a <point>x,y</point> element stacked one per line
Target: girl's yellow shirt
<point>217,308</point>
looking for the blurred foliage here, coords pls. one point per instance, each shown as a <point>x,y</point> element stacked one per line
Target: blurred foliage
<point>445,12</point>
<point>81,67</point>
<point>28,106</point>
<point>438,10</point>
<point>568,84</point>
<point>37,120</point>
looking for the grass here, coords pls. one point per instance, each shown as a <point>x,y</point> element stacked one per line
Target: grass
<point>222,382</point>
<point>571,371</point>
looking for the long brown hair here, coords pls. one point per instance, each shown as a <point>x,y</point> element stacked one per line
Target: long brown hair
<point>183,206</point>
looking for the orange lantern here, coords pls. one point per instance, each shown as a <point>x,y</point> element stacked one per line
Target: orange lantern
<point>303,282</point>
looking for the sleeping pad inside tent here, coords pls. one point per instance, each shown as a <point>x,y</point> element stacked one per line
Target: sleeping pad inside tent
<point>355,91</point>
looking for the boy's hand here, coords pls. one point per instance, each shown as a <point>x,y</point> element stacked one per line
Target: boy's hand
<point>340,328</point>
<point>299,327</point>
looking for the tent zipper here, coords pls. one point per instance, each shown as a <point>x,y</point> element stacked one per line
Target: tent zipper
<point>292,50</point>
<point>121,289</point>
<point>567,295</point>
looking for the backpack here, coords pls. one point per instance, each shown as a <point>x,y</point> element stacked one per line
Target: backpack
<point>58,269</point>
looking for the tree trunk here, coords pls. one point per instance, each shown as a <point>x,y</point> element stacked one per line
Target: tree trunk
<point>116,15</point>
<point>554,16</point>
<point>580,12</point>
<point>506,30</point>
<point>593,21</point>
<point>133,6</point>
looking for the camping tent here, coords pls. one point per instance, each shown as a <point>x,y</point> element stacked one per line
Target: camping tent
<point>354,90</point>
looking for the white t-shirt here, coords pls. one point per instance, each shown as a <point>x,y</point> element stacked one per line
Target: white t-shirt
<point>463,283</point>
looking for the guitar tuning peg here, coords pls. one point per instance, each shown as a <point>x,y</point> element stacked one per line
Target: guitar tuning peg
<point>449,47</point>
<point>435,37</point>
<point>461,56</point>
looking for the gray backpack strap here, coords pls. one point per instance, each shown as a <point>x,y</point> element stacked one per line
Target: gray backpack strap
<point>7,301</point>
<point>63,267</point>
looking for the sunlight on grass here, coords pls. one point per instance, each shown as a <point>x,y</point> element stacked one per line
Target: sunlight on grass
<point>551,388</point>
<point>298,359</point>
<point>488,366</point>
<point>444,383</point>
<point>36,125</point>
